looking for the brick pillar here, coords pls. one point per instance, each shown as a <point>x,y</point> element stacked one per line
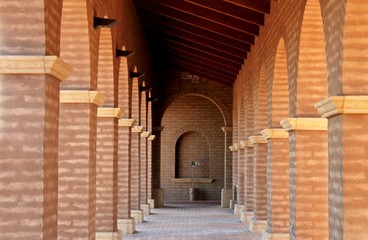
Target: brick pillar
<point>233,188</point>
<point>136,212</point>
<point>259,221</point>
<point>277,184</point>
<point>107,173</point>
<point>29,98</point>
<point>235,147</point>
<point>126,224</point>
<point>308,177</point>
<point>248,211</point>
<point>240,185</point>
<point>144,174</point>
<point>226,192</point>
<point>347,170</point>
<point>157,192</point>
<point>150,200</point>
<point>77,163</point>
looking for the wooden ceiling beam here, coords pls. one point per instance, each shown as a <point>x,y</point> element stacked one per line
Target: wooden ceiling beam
<point>203,48</point>
<point>196,21</point>
<point>198,39</point>
<point>219,71</point>
<point>189,10</point>
<point>262,6</point>
<point>232,10</point>
<point>173,23</point>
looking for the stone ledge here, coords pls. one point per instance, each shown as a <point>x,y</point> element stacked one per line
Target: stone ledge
<point>138,129</point>
<point>51,65</point>
<point>109,112</point>
<point>232,148</point>
<point>236,146</point>
<point>145,134</point>
<point>151,138</point>
<point>246,143</point>
<point>126,122</point>
<point>336,105</point>
<point>193,180</point>
<point>82,96</point>
<point>291,124</point>
<point>274,133</point>
<point>257,140</point>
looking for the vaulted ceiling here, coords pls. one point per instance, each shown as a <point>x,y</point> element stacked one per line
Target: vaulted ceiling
<point>209,38</point>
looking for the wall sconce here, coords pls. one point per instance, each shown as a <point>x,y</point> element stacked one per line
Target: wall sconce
<point>103,22</point>
<point>123,53</point>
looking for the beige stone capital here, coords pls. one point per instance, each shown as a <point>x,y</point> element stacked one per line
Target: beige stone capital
<point>126,122</point>
<point>51,65</point>
<point>226,129</point>
<point>257,140</point>
<point>246,143</point>
<point>335,105</point>
<point>315,124</point>
<point>82,96</point>
<point>109,112</point>
<point>232,148</point>
<point>145,134</point>
<point>236,146</point>
<point>138,129</point>
<point>151,138</point>
<point>274,133</point>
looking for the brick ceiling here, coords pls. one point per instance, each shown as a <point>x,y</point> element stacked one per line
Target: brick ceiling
<point>209,38</point>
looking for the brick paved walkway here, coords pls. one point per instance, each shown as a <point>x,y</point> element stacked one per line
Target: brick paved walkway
<point>192,221</point>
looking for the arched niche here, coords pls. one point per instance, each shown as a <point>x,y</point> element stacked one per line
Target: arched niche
<point>192,156</point>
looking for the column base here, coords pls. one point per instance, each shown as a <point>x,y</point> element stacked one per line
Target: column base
<point>126,226</point>
<point>245,216</point>
<point>226,194</point>
<point>158,195</point>
<point>237,209</point>
<point>257,226</point>
<point>146,209</point>
<point>277,236</point>
<point>151,202</point>
<point>232,204</point>
<point>109,235</point>
<point>138,215</point>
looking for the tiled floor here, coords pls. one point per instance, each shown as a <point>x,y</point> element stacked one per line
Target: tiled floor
<point>192,221</point>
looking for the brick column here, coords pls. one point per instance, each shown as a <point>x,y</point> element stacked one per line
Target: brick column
<point>144,174</point>
<point>125,222</point>
<point>234,150</point>
<point>277,184</point>
<point>259,221</point>
<point>308,177</point>
<point>77,163</point>
<point>347,170</point>
<point>233,192</point>
<point>226,192</point>
<point>248,211</point>
<point>29,98</point>
<point>150,200</point>
<point>107,173</point>
<point>157,192</point>
<point>136,212</point>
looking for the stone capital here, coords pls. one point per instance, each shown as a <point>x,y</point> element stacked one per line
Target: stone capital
<point>82,96</point>
<point>336,105</point>
<point>274,133</point>
<point>138,129</point>
<point>109,112</point>
<point>232,148</point>
<point>257,140</point>
<point>51,65</point>
<point>226,129</point>
<point>236,146</point>
<point>151,138</point>
<point>126,122</point>
<point>145,134</point>
<point>315,124</point>
<point>158,128</point>
<point>246,143</point>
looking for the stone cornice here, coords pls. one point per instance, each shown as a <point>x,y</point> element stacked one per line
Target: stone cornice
<point>151,138</point>
<point>145,134</point>
<point>246,143</point>
<point>257,140</point>
<point>336,105</point>
<point>126,122</point>
<point>109,112</point>
<point>236,146</point>
<point>226,129</point>
<point>315,124</point>
<point>138,129</point>
<point>51,65</point>
<point>274,133</point>
<point>232,148</point>
<point>82,96</point>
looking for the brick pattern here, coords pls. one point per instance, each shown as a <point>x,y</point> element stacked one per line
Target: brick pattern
<point>149,152</point>
<point>188,114</point>
<point>77,171</point>
<point>260,181</point>
<point>29,156</point>
<point>241,163</point>
<point>249,178</point>
<point>143,151</point>
<point>106,175</point>
<point>260,102</point>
